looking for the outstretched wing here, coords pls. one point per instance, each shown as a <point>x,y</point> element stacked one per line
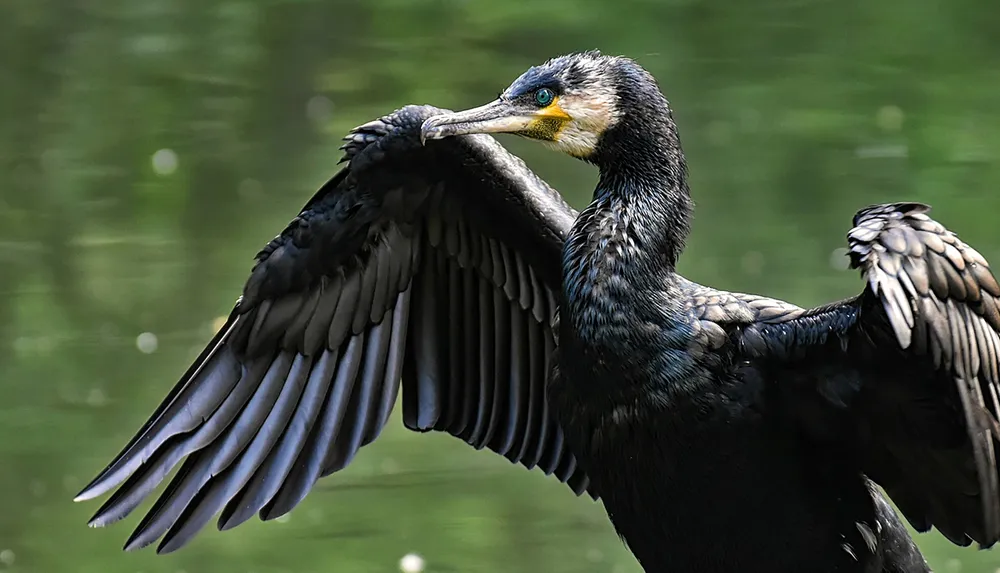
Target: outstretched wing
<point>941,303</point>
<point>905,374</point>
<point>435,265</point>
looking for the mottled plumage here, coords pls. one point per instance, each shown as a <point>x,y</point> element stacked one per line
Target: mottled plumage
<point>722,431</point>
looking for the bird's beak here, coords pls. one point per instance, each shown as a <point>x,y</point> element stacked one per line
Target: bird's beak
<point>498,116</point>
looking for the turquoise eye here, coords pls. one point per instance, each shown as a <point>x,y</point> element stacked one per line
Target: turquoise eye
<point>544,97</point>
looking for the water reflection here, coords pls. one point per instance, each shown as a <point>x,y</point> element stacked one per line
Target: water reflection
<point>149,148</point>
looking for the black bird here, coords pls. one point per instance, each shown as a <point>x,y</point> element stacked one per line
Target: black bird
<point>722,431</point>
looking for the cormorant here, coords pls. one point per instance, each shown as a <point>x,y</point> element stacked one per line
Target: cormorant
<point>722,431</point>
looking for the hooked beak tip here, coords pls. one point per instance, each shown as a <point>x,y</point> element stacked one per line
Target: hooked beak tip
<point>430,131</point>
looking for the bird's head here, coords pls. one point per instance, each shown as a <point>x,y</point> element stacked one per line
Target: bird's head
<point>568,102</point>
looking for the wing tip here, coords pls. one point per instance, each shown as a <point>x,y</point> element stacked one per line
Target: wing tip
<point>280,505</point>
<point>225,524</point>
<point>124,464</point>
<point>232,518</point>
<point>99,520</point>
<point>102,484</point>
<point>173,541</point>
<point>135,542</point>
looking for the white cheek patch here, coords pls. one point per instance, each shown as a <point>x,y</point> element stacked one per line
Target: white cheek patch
<point>575,141</point>
<point>592,111</point>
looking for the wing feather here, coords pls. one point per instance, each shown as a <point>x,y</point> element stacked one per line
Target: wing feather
<point>481,431</point>
<point>932,288</point>
<point>905,373</point>
<point>469,318</point>
<point>389,279</point>
<point>268,478</point>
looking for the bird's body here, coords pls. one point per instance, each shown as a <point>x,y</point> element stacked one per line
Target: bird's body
<point>693,477</point>
<point>684,439</point>
<point>722,431</point>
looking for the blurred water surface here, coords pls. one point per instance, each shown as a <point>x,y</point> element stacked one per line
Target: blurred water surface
<point>148,148</point>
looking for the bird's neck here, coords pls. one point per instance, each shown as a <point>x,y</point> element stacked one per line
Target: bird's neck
<point>643,183</point>
<point>645,194</point>
<point>619,259</point>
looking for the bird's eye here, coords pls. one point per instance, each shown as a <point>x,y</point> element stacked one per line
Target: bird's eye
<point>544,97</point>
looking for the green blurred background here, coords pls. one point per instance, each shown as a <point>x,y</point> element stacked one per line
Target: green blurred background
<point>148,148</point>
